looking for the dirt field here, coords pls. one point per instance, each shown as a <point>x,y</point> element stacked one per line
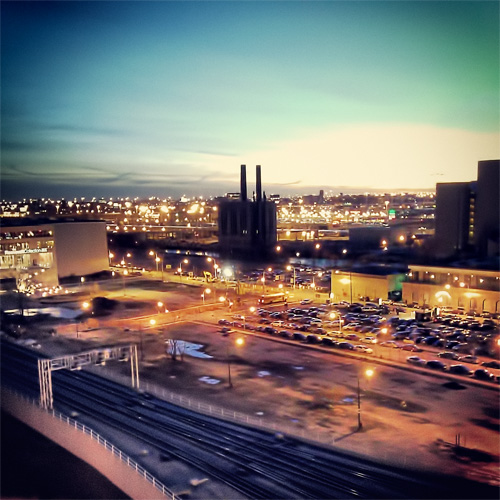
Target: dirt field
<point>409,419</point>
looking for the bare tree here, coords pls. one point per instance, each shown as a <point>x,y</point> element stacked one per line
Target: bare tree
<point>176,347</point>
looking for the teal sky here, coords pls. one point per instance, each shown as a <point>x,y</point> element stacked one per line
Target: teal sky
<point>169,98</point>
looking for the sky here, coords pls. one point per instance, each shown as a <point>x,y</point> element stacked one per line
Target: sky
<point>169,98</point>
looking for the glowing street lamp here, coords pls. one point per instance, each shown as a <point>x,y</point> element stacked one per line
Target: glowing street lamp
<point>207,291</point>
<point>333,316</point>
<point>157,259</point>
<point>160,305</point>
<point>368,373</point>
<point>211,259</point>
<point>238,342</point>
<point>185,261</point>
<point>289,268</point>
<point>125,273</point>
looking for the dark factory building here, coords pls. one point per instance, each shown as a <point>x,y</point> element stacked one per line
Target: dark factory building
<point>247,227</point>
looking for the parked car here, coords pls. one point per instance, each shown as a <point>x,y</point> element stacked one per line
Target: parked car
<point>313,339</point>
<point>329,341</point>
<point>411,347</point>
<point>363,348</point>
<point>415,360</point>
<point>270,330</point>
<point>491,364</point>
<point>469,358</point>
<point>346,345</point>
<point>435,364</point>
<point>448,355</point>
<point>389,343</point>
<point>461,370</point>
<point>483,374</point>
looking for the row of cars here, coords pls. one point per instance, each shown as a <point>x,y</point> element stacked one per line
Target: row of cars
<point>312,338</point>
<point>307,328</point>
<point>458,369</point>
<point>310,326</point>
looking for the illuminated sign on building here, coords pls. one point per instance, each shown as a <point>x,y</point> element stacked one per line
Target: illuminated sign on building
<point>26,250</point>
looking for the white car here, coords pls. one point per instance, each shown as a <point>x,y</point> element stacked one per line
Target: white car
<point>415,360</point>
<point>363,348</point>
<point>389,343</point>
<point>305,301</point>
<point>371,340</point>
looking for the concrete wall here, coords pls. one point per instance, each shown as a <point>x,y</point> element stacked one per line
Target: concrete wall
<point>81,248</point>
<point>81,445</point>
<point>469,298</point>
<point>353,285</point>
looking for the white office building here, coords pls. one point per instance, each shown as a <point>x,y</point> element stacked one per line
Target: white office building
<point>49,251</point>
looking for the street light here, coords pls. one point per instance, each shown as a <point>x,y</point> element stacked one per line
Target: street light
<point>289,268</point>
<point>207,291</point>
<point>333,316</point>
<point>368,373</point>
<point>211,259</point>
<point>185,261</point>
<point>157,261</point>
<point>160,305</point>
<point>125,273</point>
<point>238,342</point>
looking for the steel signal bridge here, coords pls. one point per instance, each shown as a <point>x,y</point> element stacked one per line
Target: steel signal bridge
<point>76,361</point>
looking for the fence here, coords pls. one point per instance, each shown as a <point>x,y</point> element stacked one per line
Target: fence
<point>224,413</point>
<point>107,445</point>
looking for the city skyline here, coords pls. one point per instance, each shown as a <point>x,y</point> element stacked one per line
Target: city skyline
<point>169,98</point>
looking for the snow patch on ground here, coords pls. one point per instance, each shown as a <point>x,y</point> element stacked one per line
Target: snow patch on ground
<point>209,380</point>
<point>187,348</point>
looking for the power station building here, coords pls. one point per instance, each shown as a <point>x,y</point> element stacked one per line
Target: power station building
<point>468,214</point>
<point>247,226</point>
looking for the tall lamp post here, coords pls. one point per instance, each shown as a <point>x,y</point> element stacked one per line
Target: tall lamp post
<point>333,316</point>
<point>238,342</point>
<point>152,253</point>
<point>207,291</point>
<point>184,261</point>
<point>211,259</point>
<point>289,268</point>
<point>368,373</point>
<point>125,273</point>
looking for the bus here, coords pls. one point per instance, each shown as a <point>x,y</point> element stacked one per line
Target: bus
<point>272,298</point>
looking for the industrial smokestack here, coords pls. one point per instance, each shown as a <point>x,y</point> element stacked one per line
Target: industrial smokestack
<point>243,183</point>
<point>258,184</point>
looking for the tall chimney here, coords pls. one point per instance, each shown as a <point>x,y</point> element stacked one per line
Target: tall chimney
<point>243,183</point>
<point>258,184</point>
